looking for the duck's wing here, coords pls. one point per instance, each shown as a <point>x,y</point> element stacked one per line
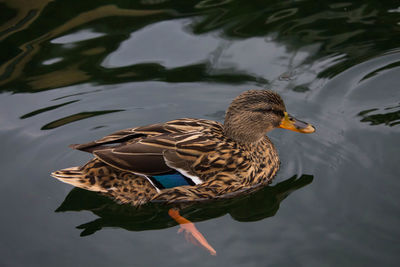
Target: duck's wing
<point>122,137</point>
<point>159,154</point>
<point>157,148</point>
<point>131,135</point>
<point>142,157</point>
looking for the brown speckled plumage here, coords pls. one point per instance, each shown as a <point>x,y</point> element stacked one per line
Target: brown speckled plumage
<point>227,157</point>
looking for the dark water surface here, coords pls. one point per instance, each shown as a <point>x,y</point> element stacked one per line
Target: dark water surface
<point>74,71</point>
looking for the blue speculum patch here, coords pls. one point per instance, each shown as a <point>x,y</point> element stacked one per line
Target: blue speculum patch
<point>170,180</point>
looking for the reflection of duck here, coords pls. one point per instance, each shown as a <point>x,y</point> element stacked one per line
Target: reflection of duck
<point>246,207</point>
<point>188,159</point>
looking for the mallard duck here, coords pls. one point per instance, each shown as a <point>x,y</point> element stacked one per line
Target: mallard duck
<point>188,159</point>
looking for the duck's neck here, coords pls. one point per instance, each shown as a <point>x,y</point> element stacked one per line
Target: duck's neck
<point>242,133</point>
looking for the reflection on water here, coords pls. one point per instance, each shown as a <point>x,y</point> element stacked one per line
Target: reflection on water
<point>389,118</point>
<point>226,42</point>
<point>256,206</point>
<point>77,37</point>
<point>137,47</point>
<point>76,117</point>
<point>148,45</point>
<point>36,112</point>
<point>380,70</point>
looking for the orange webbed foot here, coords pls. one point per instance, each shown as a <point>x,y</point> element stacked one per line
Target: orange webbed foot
<point>191,232</point>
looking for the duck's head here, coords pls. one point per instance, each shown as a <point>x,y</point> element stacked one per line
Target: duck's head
<point>255,112</point>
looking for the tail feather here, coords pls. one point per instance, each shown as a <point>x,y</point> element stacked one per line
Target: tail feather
<point>76,176</point>
<point>124,187</point>
<point>72,172</point>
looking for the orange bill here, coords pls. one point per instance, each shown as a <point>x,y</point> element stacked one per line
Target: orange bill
<point>293,124</point>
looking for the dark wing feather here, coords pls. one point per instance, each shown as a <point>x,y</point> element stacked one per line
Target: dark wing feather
<point>146,149</point>
<point>122,136</point>
<point>136,157</point>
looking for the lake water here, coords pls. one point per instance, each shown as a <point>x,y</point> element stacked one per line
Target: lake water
<point>74,71</point>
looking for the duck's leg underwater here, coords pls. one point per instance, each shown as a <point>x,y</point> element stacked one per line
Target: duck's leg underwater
<point>190,230</point>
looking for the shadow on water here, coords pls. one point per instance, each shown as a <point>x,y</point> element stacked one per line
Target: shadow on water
<point>256,206</point>
<point>37,55</point>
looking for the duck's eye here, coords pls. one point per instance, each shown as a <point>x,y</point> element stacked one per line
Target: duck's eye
<point>279,113</point>
<point>263,110</point>
<point>269,110</point>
